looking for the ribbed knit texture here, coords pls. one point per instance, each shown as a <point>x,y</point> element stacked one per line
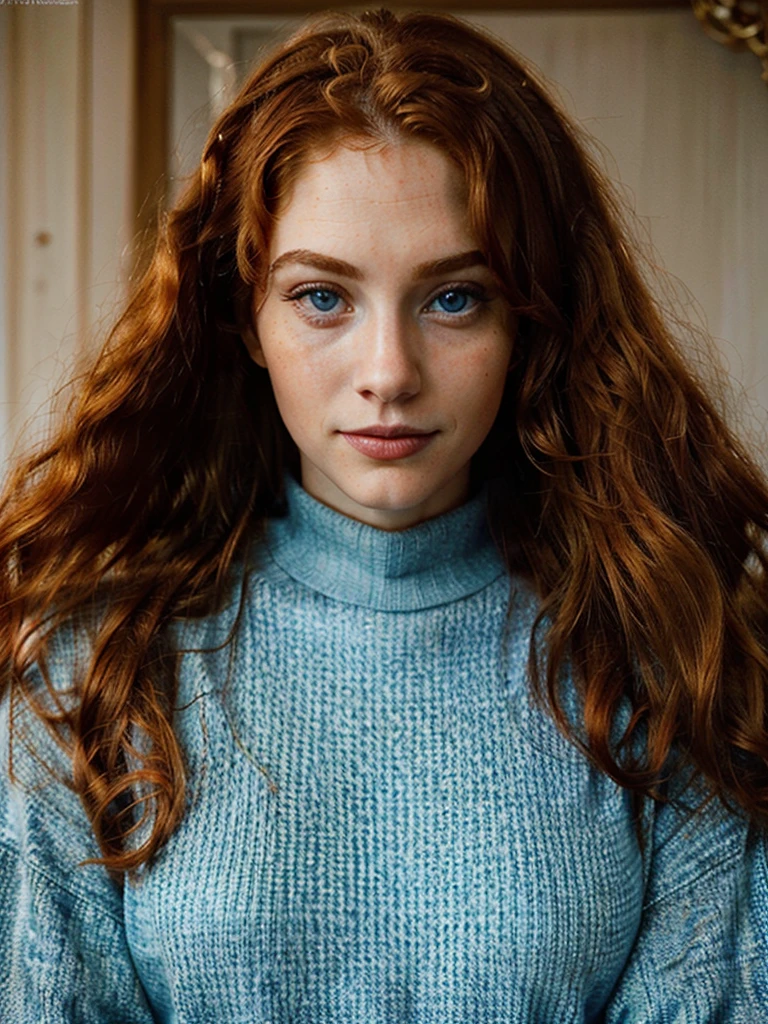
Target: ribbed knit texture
<point>382,827</point>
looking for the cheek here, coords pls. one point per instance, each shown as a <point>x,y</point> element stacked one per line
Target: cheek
<point>290,366</point>
<point>303,386</point>
<point>303,379</point>
<point>480,378</point>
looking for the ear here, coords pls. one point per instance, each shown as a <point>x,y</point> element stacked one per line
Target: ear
<point>252,343</point>
<point>248,334</point>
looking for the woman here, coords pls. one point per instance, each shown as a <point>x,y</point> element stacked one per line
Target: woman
<point>385,630</point>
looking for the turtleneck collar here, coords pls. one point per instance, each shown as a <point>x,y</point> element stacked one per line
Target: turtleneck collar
<point>438,561</point>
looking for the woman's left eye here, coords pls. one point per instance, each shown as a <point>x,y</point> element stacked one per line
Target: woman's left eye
<point>456,301</point>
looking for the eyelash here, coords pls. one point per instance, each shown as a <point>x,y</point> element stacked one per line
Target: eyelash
<point>318,319</point>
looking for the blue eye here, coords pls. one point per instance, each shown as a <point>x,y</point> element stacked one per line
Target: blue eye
<point>319,305</point>
<point>453,301</point>
<point>322,299</point>
<point>457,300</point>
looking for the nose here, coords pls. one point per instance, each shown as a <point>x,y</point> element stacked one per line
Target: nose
<point>388,367</point>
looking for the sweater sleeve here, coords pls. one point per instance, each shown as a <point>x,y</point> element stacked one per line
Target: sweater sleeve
<point>63,946</point>
<point>698,956</point>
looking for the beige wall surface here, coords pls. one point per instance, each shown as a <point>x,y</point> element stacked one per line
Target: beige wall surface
<point>65,181</point>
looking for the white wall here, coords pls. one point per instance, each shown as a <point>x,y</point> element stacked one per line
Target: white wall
<point>43,226</point>
<point>111,226</point>
<point>65,173</point>
<point>5,78</point>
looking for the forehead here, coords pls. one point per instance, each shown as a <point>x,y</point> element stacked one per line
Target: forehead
<point>409,192</point>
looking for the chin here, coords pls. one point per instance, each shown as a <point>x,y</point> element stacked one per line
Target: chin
<point>390,497</point>
<point>392,491</point>
<point>406,501</point>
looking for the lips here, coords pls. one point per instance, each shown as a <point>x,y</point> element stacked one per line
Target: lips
<point>387,443</point>
<point>396,430</point>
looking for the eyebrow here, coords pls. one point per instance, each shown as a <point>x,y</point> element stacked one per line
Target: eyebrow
<point>433,268</point>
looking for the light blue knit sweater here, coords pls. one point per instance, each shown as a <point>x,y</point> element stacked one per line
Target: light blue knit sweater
<point>381,828</point>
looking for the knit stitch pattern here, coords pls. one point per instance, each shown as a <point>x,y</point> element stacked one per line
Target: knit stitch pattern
<point>382,825</point>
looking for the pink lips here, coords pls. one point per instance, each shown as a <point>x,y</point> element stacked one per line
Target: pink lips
<point>387,443</point>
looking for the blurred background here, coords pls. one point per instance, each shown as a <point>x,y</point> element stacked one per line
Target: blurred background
<point>105,105</point>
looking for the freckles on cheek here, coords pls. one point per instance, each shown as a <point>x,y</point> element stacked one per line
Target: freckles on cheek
<point>474,365</point>
<point>301,380</point>
<point>319,365</point>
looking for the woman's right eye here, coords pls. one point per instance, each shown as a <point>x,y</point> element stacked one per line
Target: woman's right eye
<point>317,304</point>
<point>323,299</point>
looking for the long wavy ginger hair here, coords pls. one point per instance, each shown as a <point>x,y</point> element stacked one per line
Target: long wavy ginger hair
<point>627,501</point>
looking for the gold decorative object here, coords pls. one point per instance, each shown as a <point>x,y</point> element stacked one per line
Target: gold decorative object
<point>737,24</point>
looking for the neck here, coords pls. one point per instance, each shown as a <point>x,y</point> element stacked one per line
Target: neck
<point>434,562</point>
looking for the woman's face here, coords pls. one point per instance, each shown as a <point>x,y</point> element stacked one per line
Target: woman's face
<point>384,336</point>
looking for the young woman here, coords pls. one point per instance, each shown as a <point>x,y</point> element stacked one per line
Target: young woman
<point>384,631</point>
